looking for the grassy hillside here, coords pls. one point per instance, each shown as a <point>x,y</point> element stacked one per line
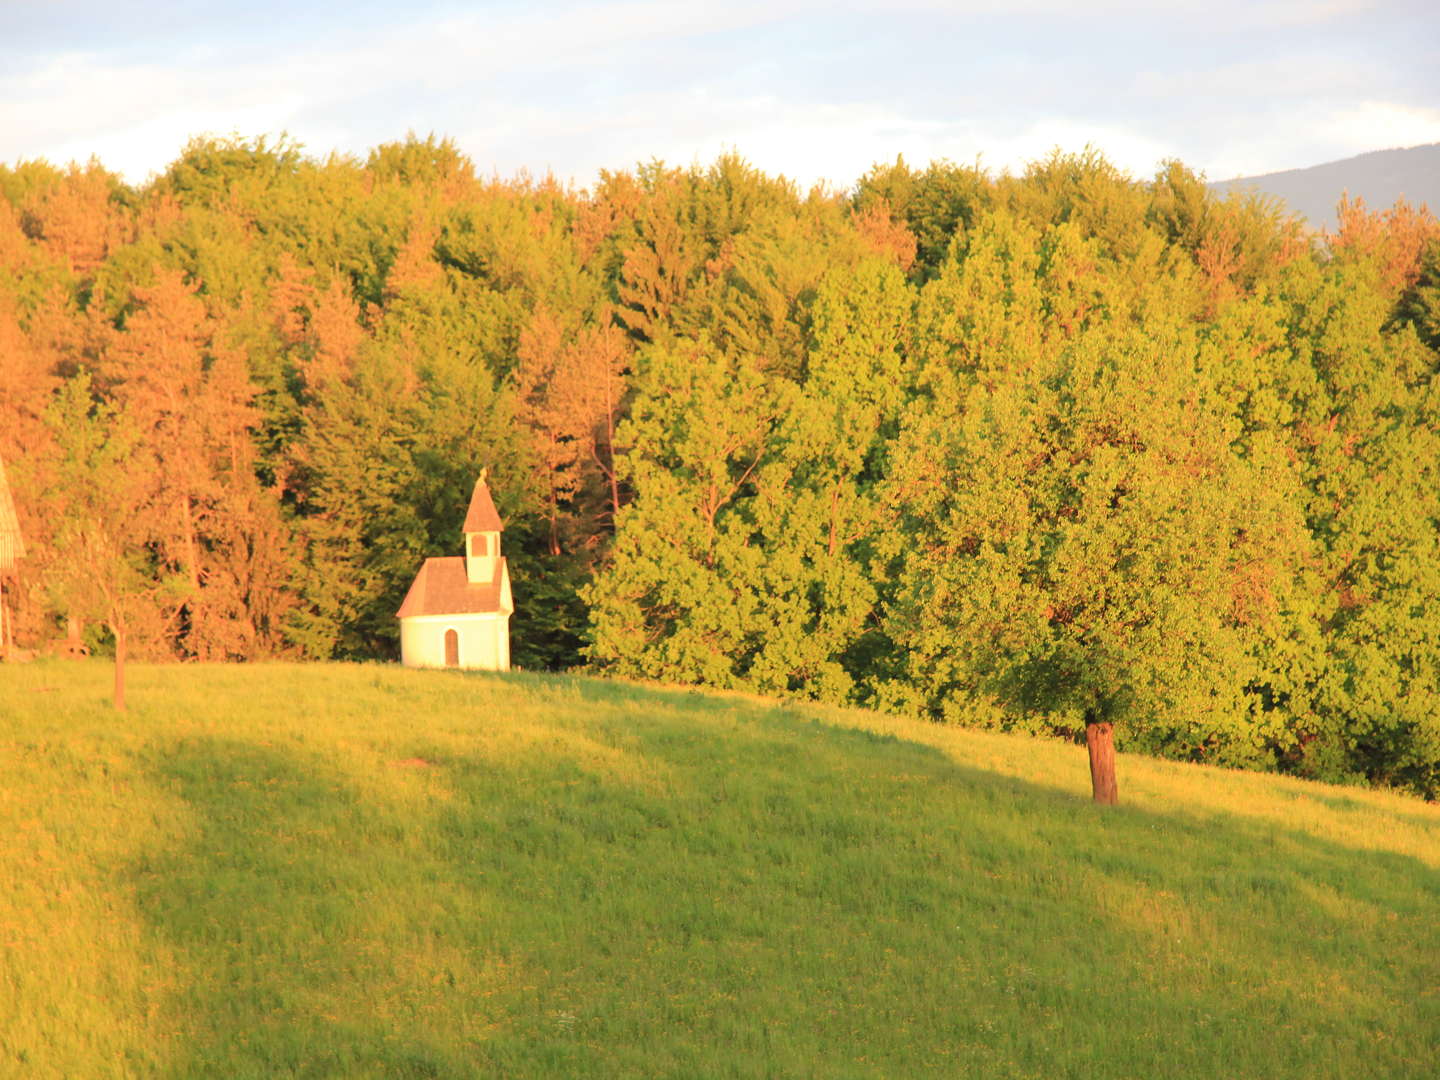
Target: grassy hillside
<point>366,871</point>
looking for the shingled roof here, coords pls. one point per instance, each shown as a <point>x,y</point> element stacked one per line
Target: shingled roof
<point>482,516</point>
<point>12,544</point>
<point>441,588</point>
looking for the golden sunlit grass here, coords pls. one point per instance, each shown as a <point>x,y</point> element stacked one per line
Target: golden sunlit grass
<point>339,870</point>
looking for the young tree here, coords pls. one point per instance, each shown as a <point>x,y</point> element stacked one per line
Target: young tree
<point>109,517</point>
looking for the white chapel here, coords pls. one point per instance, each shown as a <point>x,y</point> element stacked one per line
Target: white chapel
<point>457,612</point>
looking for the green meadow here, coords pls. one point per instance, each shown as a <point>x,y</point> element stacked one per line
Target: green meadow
<point>352,871</point>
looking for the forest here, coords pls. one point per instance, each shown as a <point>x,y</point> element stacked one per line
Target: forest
<point>1009,451</point>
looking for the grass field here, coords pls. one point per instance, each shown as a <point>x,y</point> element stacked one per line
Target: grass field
<point>365,871</point>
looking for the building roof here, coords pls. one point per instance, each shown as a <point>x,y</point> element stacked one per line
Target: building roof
<point>441,588</point>
<point>482,516</point>
<point>12,544</point>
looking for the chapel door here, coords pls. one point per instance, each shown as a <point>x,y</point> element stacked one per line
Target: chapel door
<point>452,649</point>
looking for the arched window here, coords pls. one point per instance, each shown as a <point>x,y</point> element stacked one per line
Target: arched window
<point>452,649</point>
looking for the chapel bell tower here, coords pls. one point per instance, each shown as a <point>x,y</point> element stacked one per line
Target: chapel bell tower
<point>482,536</point>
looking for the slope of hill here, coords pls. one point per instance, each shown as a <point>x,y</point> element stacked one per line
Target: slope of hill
<point>366,871</point>
<point>1379,177</point>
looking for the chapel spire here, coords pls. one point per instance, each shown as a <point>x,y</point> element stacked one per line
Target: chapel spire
<point>482,535</point>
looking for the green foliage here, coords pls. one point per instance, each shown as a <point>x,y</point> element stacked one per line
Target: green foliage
<point>1077,536</point>
<point>938,205</point>
<point>389,459</point>
<point>420,163</point>
<point>761,576</point>
<point>1420,304</point>
<point>551,622</point>
<point>211,170</point>
<point>20,182</point>
<point>677,600</point>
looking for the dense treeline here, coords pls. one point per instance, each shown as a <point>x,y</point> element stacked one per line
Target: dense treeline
<point>1024,451</point>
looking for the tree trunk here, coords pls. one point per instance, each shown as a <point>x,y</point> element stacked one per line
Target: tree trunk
<point>1099,737</point>
<point>554,523</point>
<point>119,666</point>
<point>192,560</point>
<point>7,631</point>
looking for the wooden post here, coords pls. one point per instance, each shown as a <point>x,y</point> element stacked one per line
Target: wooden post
<point>7,623</point>
<point>74,637</point>
<point>1099,738</point>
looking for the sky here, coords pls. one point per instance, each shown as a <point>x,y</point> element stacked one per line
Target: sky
<point>819,92</point>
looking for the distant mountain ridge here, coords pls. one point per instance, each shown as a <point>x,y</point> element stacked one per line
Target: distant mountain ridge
<point>1379,177</point>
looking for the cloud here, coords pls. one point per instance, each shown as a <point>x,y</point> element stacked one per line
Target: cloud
<point>1322,131</point>
<point>1223,15</point>
<point>815,142</point>
<point>794,85</point>
<point>135,118</point>
<point>1301,74</point>
<point>1383,125</point>
<point>136,115</point>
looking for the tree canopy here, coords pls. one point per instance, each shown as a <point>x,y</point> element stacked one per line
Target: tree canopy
<point>1022,451</point>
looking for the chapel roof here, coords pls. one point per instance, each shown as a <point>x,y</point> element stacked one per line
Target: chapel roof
<point>442,588</point>
<point>481,516</point>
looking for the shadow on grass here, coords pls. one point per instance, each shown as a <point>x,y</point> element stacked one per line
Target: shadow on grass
<point>266,913</point>
<point>804,900</point>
